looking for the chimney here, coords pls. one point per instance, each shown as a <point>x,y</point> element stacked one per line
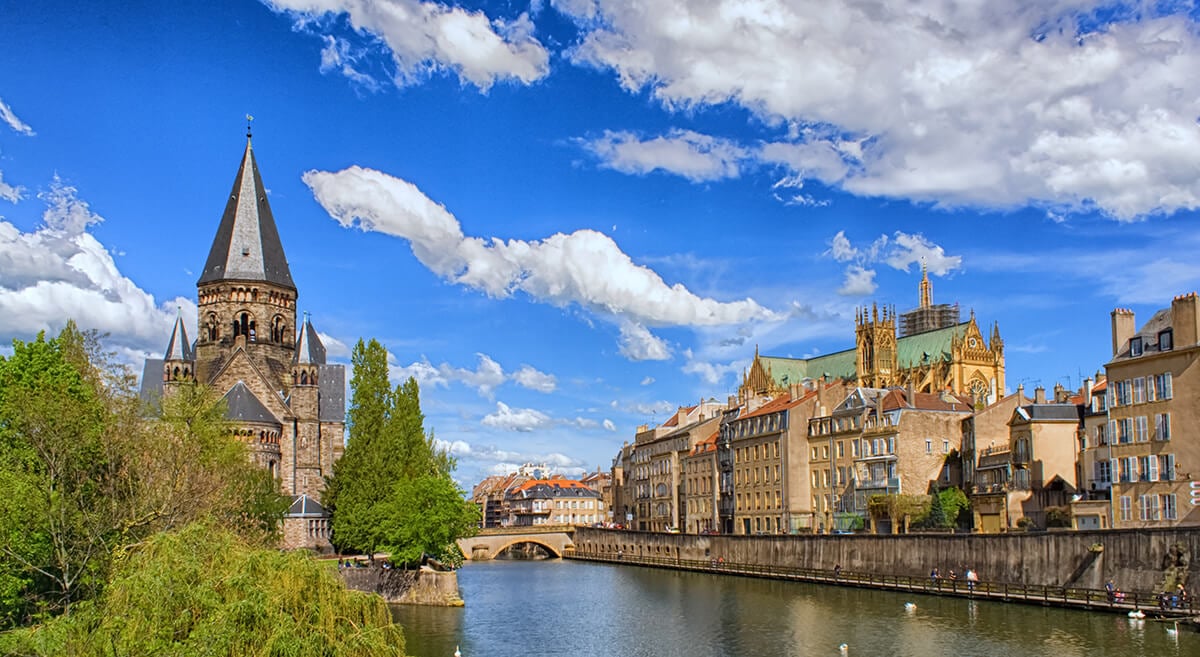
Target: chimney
<point>908,395</point>
<point>1185,321</point>
<point>1087,390</point>
<point>1060,394</point>
<point>1020,393</point>
<point>1039,395</point>
<point>1123,328</point>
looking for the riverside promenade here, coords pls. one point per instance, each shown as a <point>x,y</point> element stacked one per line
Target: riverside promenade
<point>1051,596</point>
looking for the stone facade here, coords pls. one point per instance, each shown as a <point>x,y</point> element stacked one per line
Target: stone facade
<point>284,401</point>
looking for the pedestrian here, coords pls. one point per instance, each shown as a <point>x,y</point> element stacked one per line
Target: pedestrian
<point>972,578</point>
<point>1109,589</point>
<point>837,571</point>
<point>934,576</point>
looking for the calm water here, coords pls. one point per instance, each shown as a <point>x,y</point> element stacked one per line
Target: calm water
<point>574,609</point>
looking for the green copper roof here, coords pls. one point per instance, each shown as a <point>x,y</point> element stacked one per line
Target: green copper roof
<point>911,351</point>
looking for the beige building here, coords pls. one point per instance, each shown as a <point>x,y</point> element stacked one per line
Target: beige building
<point>554,501</point>
<point>1154,408</point>
<point>657,478</point>
<point>1093,508</point>
<point>283,399</point>
<point>702,487</point>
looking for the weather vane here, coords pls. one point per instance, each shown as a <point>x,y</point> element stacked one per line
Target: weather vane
<point>248,120</point>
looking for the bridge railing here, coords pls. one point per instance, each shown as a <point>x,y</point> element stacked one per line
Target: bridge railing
<point>533,529</point>
<point>1049,595</point>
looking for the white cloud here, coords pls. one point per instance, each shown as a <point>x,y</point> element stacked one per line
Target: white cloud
<point>1064,103</point>
<point>60,271</point>
<point>334,348</point>
<point>516,419</point>
<point>685,153</point>
<point>10,193</point>
<point>647,381</point>
<point>340,57</point>
<point>505,461</point>
<point>711,373</point>
<point>10,118</point>
<point>531,378</point>
<point>858,282</point>
<point>608,424</point>
<point>638,343</point>
<point>586,267</point>
<point>427,37</point>
<point>484,378</point>
<point>899,251</point>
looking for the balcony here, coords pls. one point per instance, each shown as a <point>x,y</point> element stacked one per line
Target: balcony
<point>886,482</point>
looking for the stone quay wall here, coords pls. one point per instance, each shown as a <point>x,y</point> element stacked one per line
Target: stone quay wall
<point>1136,560</point>
<point>406,587</point>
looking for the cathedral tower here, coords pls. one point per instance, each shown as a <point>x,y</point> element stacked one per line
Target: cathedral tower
<point>875,347</point>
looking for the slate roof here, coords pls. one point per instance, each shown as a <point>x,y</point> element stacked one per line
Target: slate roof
<point>178,347</point>
<point>331,393</point>
<point>152,380</point>
<point>1160,321</point>
<point>244,406</point>
<point>1048,412</point>
<point>304,506</point>
<point>309,348</point>
<point>247,245</point>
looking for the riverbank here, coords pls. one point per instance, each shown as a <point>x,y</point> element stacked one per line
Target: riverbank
<point>1071,598</point>
<point>398,586</point>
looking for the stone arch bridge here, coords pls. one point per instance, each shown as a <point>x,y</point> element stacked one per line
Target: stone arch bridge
<point>491,541</point>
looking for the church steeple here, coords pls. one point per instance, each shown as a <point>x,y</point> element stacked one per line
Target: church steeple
<point>247,246</point>
<point>926,287</point>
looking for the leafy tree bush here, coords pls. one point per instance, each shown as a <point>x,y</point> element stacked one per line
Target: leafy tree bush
<point>204,591</point>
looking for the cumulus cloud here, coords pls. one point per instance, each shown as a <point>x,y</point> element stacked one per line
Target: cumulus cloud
<point>1065,104</point>
<point>516,419</point>
<point>60,271</point>
<point>898,251</point>
<point>638,343</point>
<point>531,378</point>
<point>858,282</point>
<point>424,38</point>
<point>340,57</point>
<point>608,424</point>
<point>685,153</point>
<point>506,461</point>
<point>710,373</point>
<point>334,348</point>
<point>10,118</point>
<point>584,268</point>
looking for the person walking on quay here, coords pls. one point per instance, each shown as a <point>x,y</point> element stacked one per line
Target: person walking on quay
<point>837,571</point>
<point>935,576</point>
<point>1109,589</point>
<point>972,578</point>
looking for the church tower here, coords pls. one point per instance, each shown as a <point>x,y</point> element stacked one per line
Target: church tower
<point>247,299</point>
<point>875,347</point>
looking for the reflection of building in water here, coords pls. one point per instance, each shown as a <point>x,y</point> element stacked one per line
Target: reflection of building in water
<point>934,352</point>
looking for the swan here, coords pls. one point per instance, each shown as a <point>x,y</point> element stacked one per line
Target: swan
<point>456,652</point>
<point>1174,629</point>
<point>1137,613</point>
<point>909,606</point>
<point>843,648</point>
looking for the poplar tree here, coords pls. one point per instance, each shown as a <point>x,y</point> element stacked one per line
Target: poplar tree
<point>392,489</point>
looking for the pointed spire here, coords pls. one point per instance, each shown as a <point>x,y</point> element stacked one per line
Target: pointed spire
<point>179,348</point>
<point>309,349</point>
<point>247,245</point>
<point>926,287</point>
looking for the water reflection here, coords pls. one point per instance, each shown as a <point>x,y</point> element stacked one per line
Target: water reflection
<point>570,608</point>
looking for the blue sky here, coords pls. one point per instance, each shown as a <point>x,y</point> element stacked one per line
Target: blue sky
<point>568,217</point>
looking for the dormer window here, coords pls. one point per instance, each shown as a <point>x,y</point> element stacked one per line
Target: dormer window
<point>1166,340</point>
<point>1135,346</point>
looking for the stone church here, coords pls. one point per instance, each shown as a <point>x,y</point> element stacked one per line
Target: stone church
<point>932,350</point>
<point>284,400</point>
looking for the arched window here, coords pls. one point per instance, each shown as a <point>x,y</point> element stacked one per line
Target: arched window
<point>304,378</point>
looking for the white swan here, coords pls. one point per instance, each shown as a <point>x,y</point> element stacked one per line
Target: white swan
<point>843,648</point>
<point>1137,613</point>
<point>1174,629</point>
<point>910,606</point>
<point>456,652</point>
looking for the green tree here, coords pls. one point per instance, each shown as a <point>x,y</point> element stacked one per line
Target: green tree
<point>392,490</point>
<point>204,591</point>
<point>58,477</point>
<point>953,502</point>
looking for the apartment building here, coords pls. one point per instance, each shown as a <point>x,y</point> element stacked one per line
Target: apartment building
<point>554,501</point>
<point>702,487</point>
<point>1152,436</point>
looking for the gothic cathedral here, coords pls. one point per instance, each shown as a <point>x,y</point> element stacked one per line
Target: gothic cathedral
<point>931,350</point>
<point>284,401</point>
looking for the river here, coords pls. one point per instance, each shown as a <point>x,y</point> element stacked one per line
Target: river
<point>577,609</point>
